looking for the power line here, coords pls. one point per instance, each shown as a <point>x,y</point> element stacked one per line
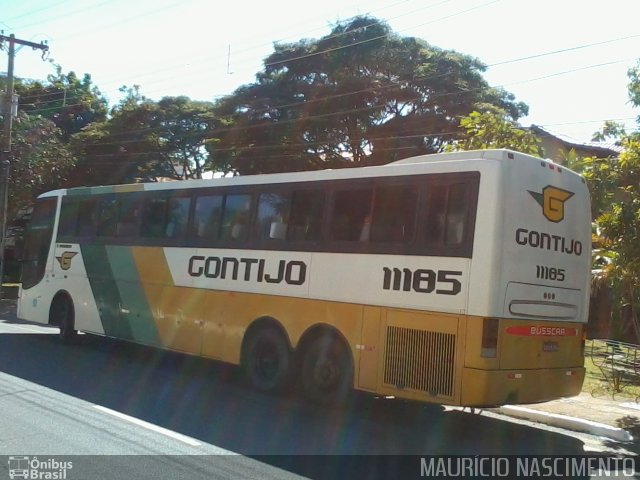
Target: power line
<point>313,117</point>
<point>564,50</point>
<point>495,64</point>
<point>517,59</point>
<point>333,36</point>
<point>514,60</point>
<point>393,84</point>
<point>64,15</point>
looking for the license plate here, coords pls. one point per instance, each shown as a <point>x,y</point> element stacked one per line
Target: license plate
<point>550,346</point>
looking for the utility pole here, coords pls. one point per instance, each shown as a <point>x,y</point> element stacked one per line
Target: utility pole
<point>5,162</point>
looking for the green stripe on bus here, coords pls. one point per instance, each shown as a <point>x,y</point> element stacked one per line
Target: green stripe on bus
<point>105,291</point>
<point>135,310</point>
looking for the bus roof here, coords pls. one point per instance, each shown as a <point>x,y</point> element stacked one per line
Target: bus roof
<point>450,162</point>
<point>490,154</point>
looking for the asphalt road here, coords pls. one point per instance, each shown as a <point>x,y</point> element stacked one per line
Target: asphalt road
<point>186,417</point>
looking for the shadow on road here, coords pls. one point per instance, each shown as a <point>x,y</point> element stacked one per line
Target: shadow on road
<point>205,400</point>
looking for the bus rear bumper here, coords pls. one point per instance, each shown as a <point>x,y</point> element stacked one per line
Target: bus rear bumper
<point>510,387</point>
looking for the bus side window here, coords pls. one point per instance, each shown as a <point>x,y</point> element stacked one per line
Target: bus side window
<point>351,215</point>
<point>68,221</point>
<point>153,214</point>
<point>447,209</point>
<point>436,213</point>
<point>273,216</point>
<point>394,213</point>
<point>457,207</point>
<point>207,217</point>
<point>107,217</point>
<point>177,217</point>
<point>235,219</point>
<point>128,216</point>
<point>307,208</point>
<point>87,223</point>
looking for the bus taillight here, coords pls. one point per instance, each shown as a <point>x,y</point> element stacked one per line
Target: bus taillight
<point>490,337</point>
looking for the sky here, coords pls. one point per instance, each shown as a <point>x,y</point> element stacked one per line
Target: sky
<point>566,59</point>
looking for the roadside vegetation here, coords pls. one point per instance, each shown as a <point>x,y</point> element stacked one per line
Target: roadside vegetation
<point>612,369</point>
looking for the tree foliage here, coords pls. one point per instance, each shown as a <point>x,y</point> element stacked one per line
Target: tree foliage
<point>360,95</point>
<point>616,208</point>
<point>71,103</point>
<point>618,227</point>
<point>610,131</point>
<point>40,160</point>
<point>493,129</point>
<point>145,140</point>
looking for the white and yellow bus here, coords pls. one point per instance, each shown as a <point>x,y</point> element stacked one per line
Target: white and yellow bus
<point>459,278</point>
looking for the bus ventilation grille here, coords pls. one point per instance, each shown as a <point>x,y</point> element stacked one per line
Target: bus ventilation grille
<point>419,360</point>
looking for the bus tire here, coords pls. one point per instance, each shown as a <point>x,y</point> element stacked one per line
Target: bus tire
<point>266,361</point>
<point>62,316</point>
<point>327,371</point>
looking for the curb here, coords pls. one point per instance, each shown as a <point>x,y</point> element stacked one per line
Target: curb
<point>569,423</point>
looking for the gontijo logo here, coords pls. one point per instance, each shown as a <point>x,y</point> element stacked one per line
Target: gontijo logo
<point>552,202</point>
<point>65,260</point>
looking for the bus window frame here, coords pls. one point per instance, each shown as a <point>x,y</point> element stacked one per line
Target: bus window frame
<point>416,246</point>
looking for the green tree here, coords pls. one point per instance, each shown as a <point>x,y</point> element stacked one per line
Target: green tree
<point>493,129</point>
<point>619,234</point>
<point>358,96</point>
<point>610,131</point>
<point>144,140</point>
<point>40,160</point>
<point>70,102</point>
<point>615,199</point>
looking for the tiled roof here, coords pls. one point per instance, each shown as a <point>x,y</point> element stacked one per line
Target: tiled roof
<point>609,148</point>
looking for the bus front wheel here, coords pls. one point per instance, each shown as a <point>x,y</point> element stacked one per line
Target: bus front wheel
<point>327,371</point>
<point>62,316</point>
<point>267,360</point>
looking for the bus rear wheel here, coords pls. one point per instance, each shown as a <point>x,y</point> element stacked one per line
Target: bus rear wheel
<point>267,361</point>
<point>62,316</point>
<point>327,371</point>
